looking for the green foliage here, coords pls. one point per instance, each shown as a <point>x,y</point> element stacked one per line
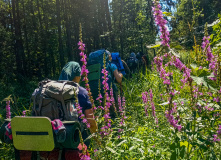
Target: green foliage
<point>49,29</point>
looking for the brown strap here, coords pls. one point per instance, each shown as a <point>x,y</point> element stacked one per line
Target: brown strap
<point>62,102</point>
<point>40,105</point>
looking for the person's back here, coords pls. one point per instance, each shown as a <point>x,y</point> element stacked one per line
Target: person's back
<point>139,59</point>
<point>71,72</point>
<point>132,62</point>
<point>113,74</point>
<point>97,58</point>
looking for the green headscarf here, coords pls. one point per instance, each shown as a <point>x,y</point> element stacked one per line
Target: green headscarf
<point>70,70</point>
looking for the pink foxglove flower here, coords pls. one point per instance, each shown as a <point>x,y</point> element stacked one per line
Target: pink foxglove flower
<point>161,22</point>
<point>8,113</point>
<point>105,130</point>
<point>173,122</point>
<point>215,138</point>
<point>210,57</point>
<point>81,115</point>
<point>24,113</point>
<point>219,130</point>
<point>121,105</point>
<point>84,72</point>
<point>206,47</point>
<point>85,157</point>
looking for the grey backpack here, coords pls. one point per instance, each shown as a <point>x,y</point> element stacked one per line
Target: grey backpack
<point>54,99</point>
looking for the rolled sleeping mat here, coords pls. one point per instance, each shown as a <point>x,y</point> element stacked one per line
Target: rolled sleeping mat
<point>72,136</point>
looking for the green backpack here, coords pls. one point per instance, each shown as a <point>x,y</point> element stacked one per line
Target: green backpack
<point>54,99</point>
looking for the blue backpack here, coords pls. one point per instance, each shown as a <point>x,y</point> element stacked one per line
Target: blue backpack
<point>96,58</point>
<point>117,61</point>
<point>132,60</point>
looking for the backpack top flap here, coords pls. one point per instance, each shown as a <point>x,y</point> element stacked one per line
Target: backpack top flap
<point>61,90</point>
<point>97,57</point>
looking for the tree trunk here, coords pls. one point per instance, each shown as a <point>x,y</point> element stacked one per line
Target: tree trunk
<point>108,17</point>
<point>121,31</point>
<point>19,50</point>
<point>68,31</point>
<point>28,57</point>
<point>60,47</point>
<point>36,58</point>
<point>104,24</point>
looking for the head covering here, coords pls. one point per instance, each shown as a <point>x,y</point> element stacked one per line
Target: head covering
<point>132,54</point>
<point>108,53</point>
<point>70,70</point>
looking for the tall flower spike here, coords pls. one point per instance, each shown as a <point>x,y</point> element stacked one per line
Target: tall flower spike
<point>24,113</point>
<point>152,103</point>
<point>8,113</point>
<point>105,130</point>
<point>145,100</point>
<point>122,113</point>
<point>112,98</point>
<point>210,57</point>
<point>99,98</point>
<point>206,45</point>
<point>84,70</point>
<point>161,22</point>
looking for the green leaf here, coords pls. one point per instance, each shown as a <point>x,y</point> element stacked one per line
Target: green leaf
<point>164,103</point>
<point>174,53</point>
<point>167,13</point>
<point>173,156</point>
<point>131,148</point>
<point>185,143</point>
<point>89,137</point>
<point>141,150</point>
<point>156,46</point>
<point>110,149</point>
<point>139,140</point>
<point>121,142</point>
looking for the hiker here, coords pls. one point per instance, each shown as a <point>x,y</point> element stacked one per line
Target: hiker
<point>144,63</point>
<point>113,75</point>
<point>139,58</point>
<point>116,59</point>
<point>132,62</point>
<point>126,68</point>
<point>71,72</point>
<point>117,74</point>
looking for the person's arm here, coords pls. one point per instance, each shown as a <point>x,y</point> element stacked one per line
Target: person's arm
<point>85,103</point>
<point>90,118</point>
<point>118,76</point>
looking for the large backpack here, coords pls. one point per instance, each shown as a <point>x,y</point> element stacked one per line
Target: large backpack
<point>132,61</point>
<point>54,99</point>
<point>117,61</point>
<point>96,58</point>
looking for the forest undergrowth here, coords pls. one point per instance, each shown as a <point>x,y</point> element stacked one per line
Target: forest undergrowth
<point>170,112</point>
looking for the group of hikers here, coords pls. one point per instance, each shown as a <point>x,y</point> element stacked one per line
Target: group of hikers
<point>137,61</point>
<point>72,72</point>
